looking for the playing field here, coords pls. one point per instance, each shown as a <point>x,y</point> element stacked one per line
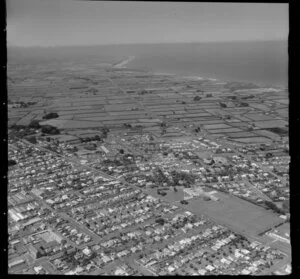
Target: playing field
<point>236,213</point>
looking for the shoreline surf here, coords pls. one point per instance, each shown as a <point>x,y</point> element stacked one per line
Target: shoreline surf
<point>202,77</point>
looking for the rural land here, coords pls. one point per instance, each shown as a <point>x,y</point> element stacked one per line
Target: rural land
<point>118,171</point>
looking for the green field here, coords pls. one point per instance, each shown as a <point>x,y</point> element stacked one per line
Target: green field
<point>236,213</point>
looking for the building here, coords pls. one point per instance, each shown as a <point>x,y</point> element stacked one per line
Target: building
<point>16,263</point>
<point>104,149</point>
<point>32,251</point>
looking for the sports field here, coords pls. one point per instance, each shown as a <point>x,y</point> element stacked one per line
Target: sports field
<point>236,213</point>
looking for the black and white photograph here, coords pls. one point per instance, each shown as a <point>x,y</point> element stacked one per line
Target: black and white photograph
<point>148,138</point>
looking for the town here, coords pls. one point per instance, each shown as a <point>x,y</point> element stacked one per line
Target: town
<point>114,171</point>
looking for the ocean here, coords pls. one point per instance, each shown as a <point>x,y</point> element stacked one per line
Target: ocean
<point>261,62</point>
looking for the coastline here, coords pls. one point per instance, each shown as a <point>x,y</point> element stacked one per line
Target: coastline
<point>124,64</point>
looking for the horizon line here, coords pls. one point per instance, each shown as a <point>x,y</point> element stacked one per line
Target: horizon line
<point>157,43</point>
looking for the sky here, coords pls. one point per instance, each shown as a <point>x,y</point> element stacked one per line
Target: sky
<point>69,22</point>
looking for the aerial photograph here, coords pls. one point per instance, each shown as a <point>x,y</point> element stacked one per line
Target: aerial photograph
<point>148,138</point>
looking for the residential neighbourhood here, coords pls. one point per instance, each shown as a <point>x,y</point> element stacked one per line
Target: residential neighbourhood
<point>166,194</point>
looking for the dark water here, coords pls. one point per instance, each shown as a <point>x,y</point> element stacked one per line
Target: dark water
<point>263,63</point>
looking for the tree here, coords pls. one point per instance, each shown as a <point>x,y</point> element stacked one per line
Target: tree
<point>105,132</point>
<point>269,155</point>
<point>48,129</point>
<point>142,92</point>
<point>163,123</point>
<point>50,115</point>
<point>163,193</point>
<point>90,147</point>
<point>39,254</point>
<point>286,205</point>
<point>223,105</point>
<point>243,104</point>
<point>97,138</point>
<point>127,125</point>
<point>160,221</point>
<point>274,207</point>
<point>197,98</point>
<point>35,124</point>
<point>23,105</point>
<point>32,139</point>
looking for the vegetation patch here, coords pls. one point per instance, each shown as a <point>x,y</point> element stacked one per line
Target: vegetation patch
<point>51,130</point>
<point>50,115</point>
<point>279,131</point>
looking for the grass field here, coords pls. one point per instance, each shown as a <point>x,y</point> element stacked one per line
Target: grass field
<point>216,126</point>
<point>259,117</point>
<point>271,124</point>
<point>236,213</point>
<point>59,123</point>
<point>229,130</point>
<point>171,195</point>
<point>241,135</point>
<point>253,140</point>
<point>267,134</point>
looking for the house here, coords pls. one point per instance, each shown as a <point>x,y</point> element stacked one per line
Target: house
<point>245,271</point>
<point>86,251</point>
<point>37,269</point>
<point>32,251</point>
<point>106,259</point>
<point>15,263</point>
<point>202,271</point>
<point>210,267</point>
